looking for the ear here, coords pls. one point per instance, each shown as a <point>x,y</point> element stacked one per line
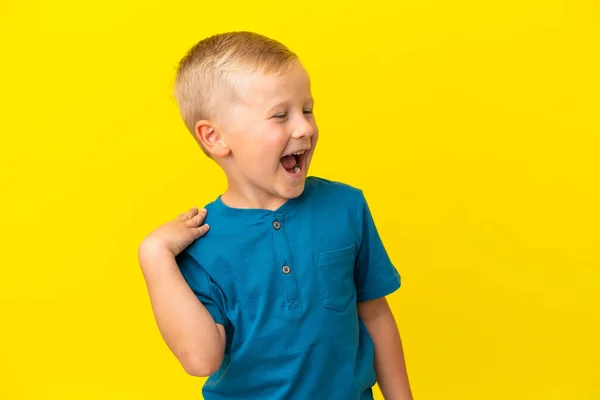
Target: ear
<point>210,138</point>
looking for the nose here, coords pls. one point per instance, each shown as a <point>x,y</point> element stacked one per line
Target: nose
<point>305,128</point>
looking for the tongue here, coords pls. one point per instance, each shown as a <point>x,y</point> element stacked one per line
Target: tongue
<point>288,162</point>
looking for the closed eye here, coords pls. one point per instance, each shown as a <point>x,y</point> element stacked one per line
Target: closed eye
<point>308,111</point>
<point>280,116</point>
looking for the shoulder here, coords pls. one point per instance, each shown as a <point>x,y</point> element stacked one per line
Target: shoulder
<point>336,201</point>
<point>325,188</point>
<point>203,249</point>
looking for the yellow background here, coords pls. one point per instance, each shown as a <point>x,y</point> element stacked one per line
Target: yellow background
<point>472,126</point>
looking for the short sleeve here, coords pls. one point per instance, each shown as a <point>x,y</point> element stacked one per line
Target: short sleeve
<point>375,275</point>
<point>209,294</point>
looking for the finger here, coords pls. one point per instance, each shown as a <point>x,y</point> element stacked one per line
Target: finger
<point>197,219</point>
<point>189,214</point>
<point>201,231</point>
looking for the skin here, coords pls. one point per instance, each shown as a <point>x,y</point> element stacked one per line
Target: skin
<point>272,117</point>
<point>390,366</point>
<point>186,326</point>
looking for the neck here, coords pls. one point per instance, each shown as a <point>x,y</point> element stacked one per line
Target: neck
<point>237,196</point>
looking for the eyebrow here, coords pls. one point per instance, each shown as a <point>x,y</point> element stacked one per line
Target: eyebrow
<point>285,104</point>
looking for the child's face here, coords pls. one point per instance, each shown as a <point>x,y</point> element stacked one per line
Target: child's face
<point>271,120</point>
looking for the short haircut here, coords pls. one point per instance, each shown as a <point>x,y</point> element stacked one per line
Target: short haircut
<point>205,79</point>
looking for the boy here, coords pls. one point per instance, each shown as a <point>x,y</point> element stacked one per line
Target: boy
<point>284,297</point>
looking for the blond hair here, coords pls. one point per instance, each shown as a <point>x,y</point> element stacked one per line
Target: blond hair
<point>205,78</point>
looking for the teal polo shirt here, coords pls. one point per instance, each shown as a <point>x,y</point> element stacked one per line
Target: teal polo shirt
<point>285,285</point>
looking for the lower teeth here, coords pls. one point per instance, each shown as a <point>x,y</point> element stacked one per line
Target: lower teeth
<point>297,168</point>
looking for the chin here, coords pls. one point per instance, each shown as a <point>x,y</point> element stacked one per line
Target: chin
<point>292,191</point>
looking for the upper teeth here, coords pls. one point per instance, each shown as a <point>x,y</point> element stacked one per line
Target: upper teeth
<point>299,153</point>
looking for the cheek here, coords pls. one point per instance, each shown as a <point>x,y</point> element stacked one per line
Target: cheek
<point>315,137</point>
<point>262,147</point>
<point>315,127</point>
<point>263,153</point>
<point>272,145</point>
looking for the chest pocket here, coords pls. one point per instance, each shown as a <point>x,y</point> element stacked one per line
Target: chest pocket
<point>335,272</point>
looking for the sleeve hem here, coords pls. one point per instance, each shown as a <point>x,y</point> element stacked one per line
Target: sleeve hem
<point>381,291</point>
<point>215,313</point>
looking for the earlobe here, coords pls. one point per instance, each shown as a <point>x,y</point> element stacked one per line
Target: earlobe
<point>209,138</point>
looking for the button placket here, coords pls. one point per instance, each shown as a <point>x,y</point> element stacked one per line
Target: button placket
<point>283,256</point>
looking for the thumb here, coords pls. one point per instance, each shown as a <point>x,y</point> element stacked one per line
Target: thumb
<point>201,230</point>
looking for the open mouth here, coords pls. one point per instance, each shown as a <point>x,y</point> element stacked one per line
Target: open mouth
<point>294,163</point>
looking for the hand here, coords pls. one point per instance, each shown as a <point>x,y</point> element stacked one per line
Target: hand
<point>174,236</point>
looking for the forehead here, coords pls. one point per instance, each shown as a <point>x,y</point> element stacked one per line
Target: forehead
<point>292,85</point>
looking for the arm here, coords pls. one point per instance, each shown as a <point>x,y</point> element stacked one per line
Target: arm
<point>185,324</point>
<point>390,366</point>
<point>375,278</point>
